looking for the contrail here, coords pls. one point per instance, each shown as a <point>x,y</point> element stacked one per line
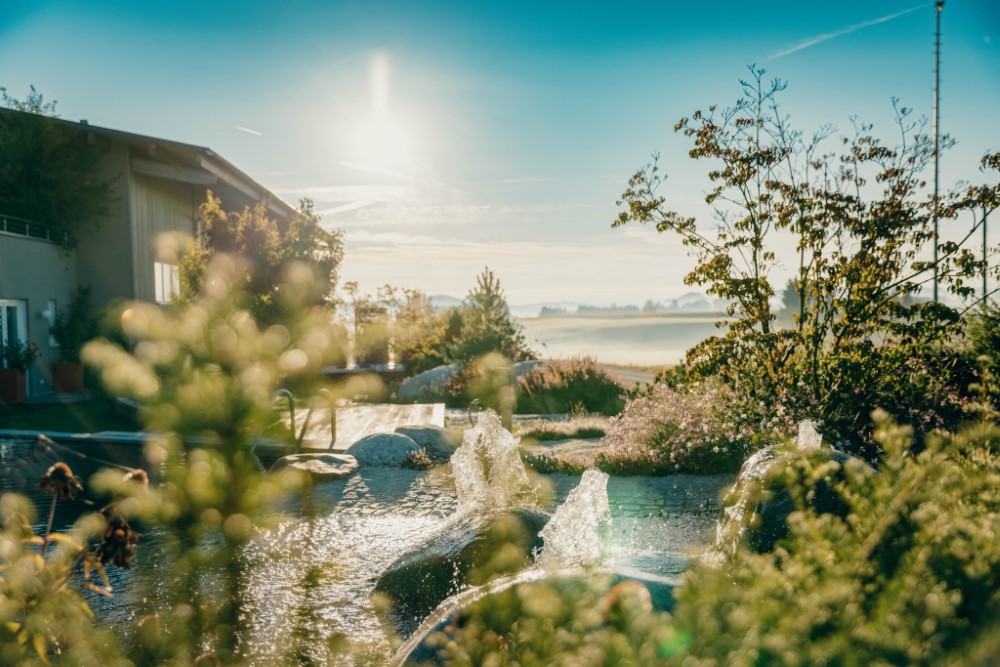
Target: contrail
<point>248,130</point>
<point>819,39</point>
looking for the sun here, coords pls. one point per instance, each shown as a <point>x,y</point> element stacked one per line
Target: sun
<point>383,140</point>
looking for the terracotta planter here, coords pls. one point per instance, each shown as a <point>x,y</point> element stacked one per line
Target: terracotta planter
<point>13,385</point>
<point>67,377</point>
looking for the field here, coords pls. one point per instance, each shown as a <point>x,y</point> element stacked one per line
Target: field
<point>633,339</point>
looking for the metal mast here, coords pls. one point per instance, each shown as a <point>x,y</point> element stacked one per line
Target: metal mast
<point>937,145</point>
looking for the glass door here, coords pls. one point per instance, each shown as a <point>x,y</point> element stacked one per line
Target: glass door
<point>13,323</point>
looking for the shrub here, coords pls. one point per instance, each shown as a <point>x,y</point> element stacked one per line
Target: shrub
<point>908,577</point>
<point>573,385</point>
<point>669,431</point>
<point>20,356</point>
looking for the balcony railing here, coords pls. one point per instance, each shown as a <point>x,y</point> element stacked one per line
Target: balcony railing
<point>15,226</point>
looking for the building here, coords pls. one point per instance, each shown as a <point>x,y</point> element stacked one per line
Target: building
<point>158,186</point>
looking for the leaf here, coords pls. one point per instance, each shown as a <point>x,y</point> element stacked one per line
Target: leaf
<point>38,641</point>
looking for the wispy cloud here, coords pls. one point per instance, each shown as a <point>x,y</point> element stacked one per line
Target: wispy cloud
<point>819,39</point>
<point>248,130</point>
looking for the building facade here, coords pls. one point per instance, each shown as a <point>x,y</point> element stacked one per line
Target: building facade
<point>127,255</point>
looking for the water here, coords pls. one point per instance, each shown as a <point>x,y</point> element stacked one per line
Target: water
<point>311,579</point>
<point>489,474</point>
<point>576,536</point>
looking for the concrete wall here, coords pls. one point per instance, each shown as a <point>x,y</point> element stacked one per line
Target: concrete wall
<point>104,254</point>
<point>23,257</point>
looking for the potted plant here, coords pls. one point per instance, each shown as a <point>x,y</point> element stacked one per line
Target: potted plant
<point>73,327</point>
<point>17,359</point>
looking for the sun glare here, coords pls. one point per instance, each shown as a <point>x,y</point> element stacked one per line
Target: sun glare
<point>382,139</point>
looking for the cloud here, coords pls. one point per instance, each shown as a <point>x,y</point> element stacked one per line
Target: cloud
<point>819,39</point>
<point>248,130</point>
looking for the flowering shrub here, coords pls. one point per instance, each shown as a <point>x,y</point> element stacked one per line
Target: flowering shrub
<point>671,431</point>
<point>572,385</point>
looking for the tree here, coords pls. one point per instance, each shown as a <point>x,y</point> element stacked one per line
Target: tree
<point>270,251</point>
<point>486,325</point>
<point>49,169</point>
<point>863,225</point>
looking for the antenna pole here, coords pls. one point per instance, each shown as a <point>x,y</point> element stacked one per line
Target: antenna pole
<point>985,256</point>
<point>937,141</point>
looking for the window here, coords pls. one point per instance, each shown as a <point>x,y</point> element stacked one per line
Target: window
<point>166,281</point>
<point>53,314</point>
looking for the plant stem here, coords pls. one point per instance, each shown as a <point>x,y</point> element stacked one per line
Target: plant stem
<point>48,526</point>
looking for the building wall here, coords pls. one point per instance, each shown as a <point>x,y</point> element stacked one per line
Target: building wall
<point>160,208</point>
<point>20,258</point>
<point>104,253</point>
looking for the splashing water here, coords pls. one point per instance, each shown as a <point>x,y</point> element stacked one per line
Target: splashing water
<point>576,536</point>
<point>489,474</point>
<point>809,437</point>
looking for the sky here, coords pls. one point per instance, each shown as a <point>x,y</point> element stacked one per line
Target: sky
<point>448,136</point>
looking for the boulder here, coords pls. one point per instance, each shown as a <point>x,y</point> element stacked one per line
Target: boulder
<point>439,443</point>
<point>429,384</point>
<point>468,551</point>
<point>758,504</point>
<point>523,367</point>
<point>321,467</point>
<point>383,449</point>
<point>621,598</point>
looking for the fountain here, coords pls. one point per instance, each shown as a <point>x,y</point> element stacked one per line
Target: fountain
<point>494,533</point>
<point>758,505</point>
<point>577,534</point>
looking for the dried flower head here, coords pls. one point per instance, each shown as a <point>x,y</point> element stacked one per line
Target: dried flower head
<point>118,543</point>
<point>60,481</point>
<point>137,475</point>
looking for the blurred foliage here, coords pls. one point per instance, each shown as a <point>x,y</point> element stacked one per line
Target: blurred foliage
<point>910,576</point>
<point>269,249</point>
<point>578,385</point>
<point>49,169</point>
<point>205,375</point>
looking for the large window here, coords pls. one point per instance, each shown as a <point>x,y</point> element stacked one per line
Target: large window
<point>166,281</point>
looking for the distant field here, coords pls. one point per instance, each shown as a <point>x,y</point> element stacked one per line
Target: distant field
<point>637,339</point>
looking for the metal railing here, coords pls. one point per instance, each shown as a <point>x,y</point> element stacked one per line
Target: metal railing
<point>15,226</point>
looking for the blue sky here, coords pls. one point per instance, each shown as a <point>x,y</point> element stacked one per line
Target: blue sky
<point>446,136</point>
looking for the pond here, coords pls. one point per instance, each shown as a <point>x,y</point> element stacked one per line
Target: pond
<point>312,577</point>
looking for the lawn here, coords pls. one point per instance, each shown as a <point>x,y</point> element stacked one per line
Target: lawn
<point>84,417</point>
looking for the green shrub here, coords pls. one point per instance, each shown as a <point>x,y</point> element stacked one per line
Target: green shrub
<point>909,577</point>
<point>574,385</point>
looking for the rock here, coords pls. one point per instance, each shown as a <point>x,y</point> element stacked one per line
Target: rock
<point>321,467</point>
<point>523,367</point>
<point>439,443</point>
<point>465,552</point>
<point>758,505</point>
<point>383,449</point>
<point>427,385</point>
<point>621,598</point>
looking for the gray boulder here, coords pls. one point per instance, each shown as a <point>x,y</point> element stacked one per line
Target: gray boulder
<point>439,443</point>
<point>321,467</point>
<point>429,384</point>
<point>459,554</point>
<point>383,449</point>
